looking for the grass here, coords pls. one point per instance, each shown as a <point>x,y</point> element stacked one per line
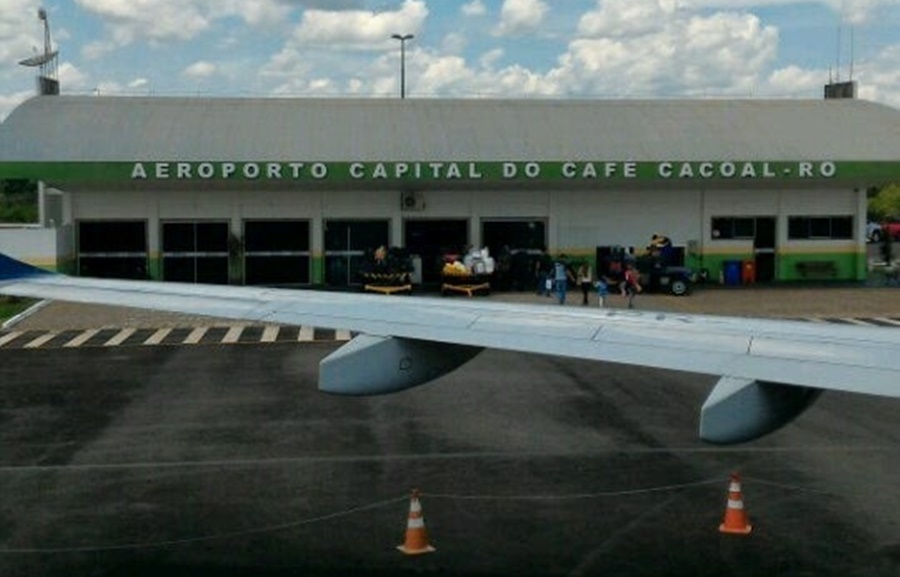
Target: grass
<point>11,306</point>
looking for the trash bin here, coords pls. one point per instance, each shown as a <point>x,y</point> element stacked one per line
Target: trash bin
<point>731,272</point>
<point>748,272</point>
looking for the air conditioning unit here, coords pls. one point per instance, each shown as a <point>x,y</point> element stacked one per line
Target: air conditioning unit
<point>412,201</point>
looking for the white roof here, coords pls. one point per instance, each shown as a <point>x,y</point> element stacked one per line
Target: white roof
<point>98,129</point>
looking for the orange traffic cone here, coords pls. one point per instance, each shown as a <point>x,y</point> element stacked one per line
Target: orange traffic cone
<point>735,521</point>
<point>416,542</point>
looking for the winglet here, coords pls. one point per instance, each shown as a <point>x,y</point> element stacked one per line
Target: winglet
<point>12,269</point>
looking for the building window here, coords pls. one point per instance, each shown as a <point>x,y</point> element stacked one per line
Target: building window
<point>733,227</point>
<point>820,227</point>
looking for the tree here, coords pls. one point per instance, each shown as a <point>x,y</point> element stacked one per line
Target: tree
<point>18,201</point>
<point>886,203</point>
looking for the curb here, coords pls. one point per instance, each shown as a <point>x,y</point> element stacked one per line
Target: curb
<point>12,321</point>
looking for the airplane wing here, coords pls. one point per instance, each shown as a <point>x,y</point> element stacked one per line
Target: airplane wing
<point>769,370</point>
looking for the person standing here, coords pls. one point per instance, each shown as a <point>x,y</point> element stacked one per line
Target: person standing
<point>631,284</point>
<point>584,281</point>
<point>562,274</point>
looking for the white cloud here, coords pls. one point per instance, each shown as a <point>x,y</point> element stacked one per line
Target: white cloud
<point>474,8</point>
<point>850,11</point>
<point>128,20</point>
<point>21,33</point>
<point>879,77</point>
<point>359,29</point>
<point>519,17</point>
<point>200,69</point>
<point>647,47</point>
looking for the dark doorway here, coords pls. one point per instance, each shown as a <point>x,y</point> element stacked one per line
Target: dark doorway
<point>276,252</point>
<point>764,240</point>
<point>195,252</point>
<point>113,249</point>
<point>346,245</point>
<point>431,240</point>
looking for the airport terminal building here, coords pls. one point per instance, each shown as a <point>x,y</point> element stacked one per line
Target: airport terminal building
<point>295,191</point>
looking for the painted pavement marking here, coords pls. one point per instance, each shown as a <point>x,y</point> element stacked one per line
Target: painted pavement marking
<point>195,336</point>
<point>82,338</point>
<point>306,333</point>
<point>10,337</point>
<point>119,338</point>
<point>233,335</point>
<point>41,340</point>
<point>270,334</point>
<point>157,337</point>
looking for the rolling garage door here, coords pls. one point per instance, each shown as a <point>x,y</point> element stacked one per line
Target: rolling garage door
<point>276,252</point>
<point>113,249</point>
<point>195,252</point>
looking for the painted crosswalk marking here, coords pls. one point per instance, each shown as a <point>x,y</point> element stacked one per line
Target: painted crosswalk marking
<point>158,337</point>
<point>342,335</point>
<point>41,340</point>
<point>82,338</point>
<point>194,337</point>
<point>307,333</point>
<point>119,338</point>
<point>233,335</point>
<point>10,337</point>
<point>270,334</point>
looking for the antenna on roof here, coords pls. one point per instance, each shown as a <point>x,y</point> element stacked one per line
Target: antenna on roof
<point>835,88</point>
<point>48,80</point>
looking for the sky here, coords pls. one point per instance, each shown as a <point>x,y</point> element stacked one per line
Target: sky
<point>609,49</point>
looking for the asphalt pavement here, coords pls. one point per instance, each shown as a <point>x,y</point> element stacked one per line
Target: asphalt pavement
<point>218,460</point>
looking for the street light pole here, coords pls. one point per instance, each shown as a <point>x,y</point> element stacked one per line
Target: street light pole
<point>402,38</point>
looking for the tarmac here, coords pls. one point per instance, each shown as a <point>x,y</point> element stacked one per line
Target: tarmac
<point>180,461</point>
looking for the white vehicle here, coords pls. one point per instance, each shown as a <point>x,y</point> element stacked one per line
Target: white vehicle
<point>873,232</point>
<point>769,371</point>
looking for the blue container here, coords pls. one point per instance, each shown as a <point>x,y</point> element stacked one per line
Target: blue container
<point>731,272</point>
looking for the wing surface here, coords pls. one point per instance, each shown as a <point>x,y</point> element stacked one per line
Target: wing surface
<point>837,357</point>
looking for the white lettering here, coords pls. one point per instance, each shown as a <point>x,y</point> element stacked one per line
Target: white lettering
<point>183,170</point>
<point>569,169</point>
<point>436,169</point>
<point>228,169</point>
<point>630,170</point>
<point>532,170</point>
<point>509,170</point>
<point>295,167</point>
<point>609,169</point>
<point>767,171</point>
<point>748,171</point>
<point>319,170</point>
<point>273,170</point>
<point>473,170</point>
<point>589,171</point>
<point>806,170</point>
<point>357,170</point>
<point>138,171</point>
<point>400,169</point>
<point>664,169</point>
<point>453,171</point>
<point>705,169</point>
<point>250,170</point>
<point>686,171</point>
<point>162,170</point>
<point>827,169</point>
<point>206,170</point>
<point>727,169</point>
<point>380,171</point>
